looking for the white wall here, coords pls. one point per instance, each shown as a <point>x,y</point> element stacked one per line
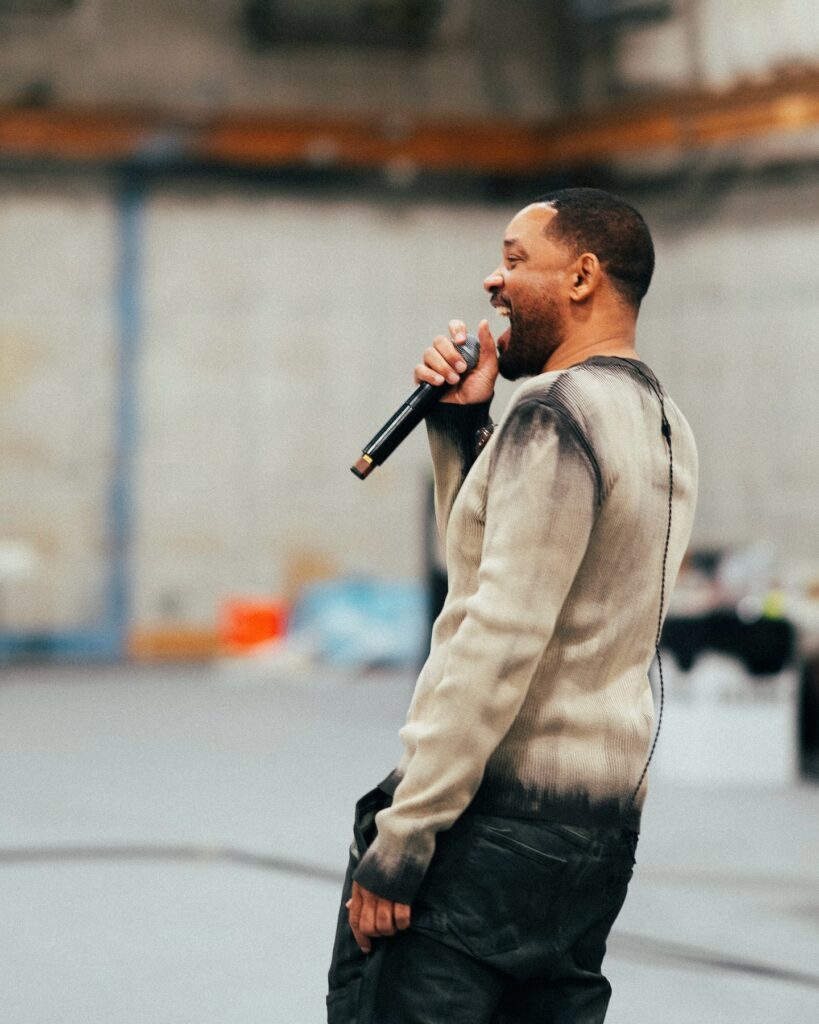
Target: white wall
<point>195,58</point>
<point>279,333</point>
<point>731,321</point>
<point>57,376</point>
<point>485,58</point>
<point>721,41</point>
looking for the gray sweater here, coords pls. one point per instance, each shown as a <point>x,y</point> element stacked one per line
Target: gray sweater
<point>534,700</point>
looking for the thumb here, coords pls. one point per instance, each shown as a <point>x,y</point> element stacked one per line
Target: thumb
<point>488,359</point>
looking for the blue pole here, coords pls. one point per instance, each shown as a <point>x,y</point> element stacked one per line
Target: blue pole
<point>130,208</point>
<point>107,637</point>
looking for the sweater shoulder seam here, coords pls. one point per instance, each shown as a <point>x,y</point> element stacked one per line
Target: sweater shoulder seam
<point>579,436</point>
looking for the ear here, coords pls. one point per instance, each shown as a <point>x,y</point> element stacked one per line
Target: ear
<point>586,274</point>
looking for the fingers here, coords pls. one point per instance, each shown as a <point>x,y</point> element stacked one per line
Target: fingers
<point>371,916</point>
<point>354,906</point>
<point>424,375</point>
<point>443,363</point>
<point>403,915</point>
<point>457,331</point>
<point>363,943</point>
<point>376,916</point>
<point>384,920</point>
<point>443,356</point>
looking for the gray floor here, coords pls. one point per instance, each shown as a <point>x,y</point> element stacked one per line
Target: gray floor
<point>172,842</point>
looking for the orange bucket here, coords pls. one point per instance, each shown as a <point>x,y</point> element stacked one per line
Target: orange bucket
<point>246,622</point>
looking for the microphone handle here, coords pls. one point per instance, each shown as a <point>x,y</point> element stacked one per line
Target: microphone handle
<point>397,428</point>
<point>409,415</point>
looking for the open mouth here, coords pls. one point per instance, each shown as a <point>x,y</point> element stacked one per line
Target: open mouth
<point>503,339</point>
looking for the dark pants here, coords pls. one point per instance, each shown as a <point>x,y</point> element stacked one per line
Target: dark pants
<point>509,926</point>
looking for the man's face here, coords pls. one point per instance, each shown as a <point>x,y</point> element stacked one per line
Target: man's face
<point>526,288</point>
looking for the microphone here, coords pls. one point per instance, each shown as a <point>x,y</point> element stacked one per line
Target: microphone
<point>410,414</point>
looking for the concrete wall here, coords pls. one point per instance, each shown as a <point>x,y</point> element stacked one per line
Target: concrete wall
<point>717,42</point>
<point>196,58</point>
<point>486,59</point>
<point>278,333</point>
<point>58,353</point>
<point>731,323</point>
<point>279,336</point>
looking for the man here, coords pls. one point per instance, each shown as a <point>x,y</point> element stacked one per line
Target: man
<point>491,863</point>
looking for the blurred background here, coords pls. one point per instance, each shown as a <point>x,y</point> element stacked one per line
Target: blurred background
<point>227,232</point>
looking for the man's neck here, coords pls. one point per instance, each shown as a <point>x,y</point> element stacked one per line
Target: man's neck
<point>572,353</point>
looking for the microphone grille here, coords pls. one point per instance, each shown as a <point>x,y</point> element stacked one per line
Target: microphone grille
<point>471,351</point>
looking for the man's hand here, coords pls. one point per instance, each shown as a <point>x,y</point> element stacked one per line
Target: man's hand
<point>372,916</point>
<point>443,363</point>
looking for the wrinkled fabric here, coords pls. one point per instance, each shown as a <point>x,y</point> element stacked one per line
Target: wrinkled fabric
<point>563,538</point>
<point>509,926</point>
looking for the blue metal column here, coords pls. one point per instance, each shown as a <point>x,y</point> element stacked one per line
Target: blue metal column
<point>107,636</point>
<point>130,208</point>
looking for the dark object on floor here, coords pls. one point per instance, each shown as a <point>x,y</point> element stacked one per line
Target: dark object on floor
<point>764,646</point>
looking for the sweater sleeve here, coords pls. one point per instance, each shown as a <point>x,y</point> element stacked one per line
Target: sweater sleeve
<point>452,431</point>
<point>541,505</point>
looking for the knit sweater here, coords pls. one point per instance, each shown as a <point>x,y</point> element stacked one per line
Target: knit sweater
<point>535,700</point>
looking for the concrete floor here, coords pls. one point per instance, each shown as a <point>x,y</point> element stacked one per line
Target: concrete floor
<point>172,843</point>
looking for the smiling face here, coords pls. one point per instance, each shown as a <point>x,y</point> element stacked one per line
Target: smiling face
<point>529,288</point>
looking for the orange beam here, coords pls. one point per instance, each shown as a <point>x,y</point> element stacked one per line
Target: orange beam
<point>74,134</point>
<point>674,120</point>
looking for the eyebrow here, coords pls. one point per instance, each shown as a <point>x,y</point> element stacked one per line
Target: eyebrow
<point>510,243</point>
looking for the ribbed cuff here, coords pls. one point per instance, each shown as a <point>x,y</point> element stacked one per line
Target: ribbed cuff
<point>459,425</point>
<point>401,887</point>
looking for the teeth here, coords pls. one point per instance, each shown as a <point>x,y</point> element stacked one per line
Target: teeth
<point>503,310</point>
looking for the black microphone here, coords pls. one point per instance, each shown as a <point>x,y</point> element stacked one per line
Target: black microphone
<point>410,414</point>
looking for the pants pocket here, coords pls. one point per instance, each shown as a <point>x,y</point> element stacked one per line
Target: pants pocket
<point>504,837</point>
<point>507,889</point>
<point>348,965</point>
<point>366,808</point>
<point>342,1004</point>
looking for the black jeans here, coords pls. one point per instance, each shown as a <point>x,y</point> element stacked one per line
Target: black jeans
<point>509,926</point>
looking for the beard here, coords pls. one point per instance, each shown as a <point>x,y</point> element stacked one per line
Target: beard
<point>533,336</point>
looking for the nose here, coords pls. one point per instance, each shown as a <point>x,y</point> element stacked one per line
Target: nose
<point>494,281</point>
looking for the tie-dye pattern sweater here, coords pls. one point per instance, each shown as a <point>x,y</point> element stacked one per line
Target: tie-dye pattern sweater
<point>534,700</point>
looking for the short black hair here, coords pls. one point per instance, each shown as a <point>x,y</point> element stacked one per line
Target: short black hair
<point>591,220</point>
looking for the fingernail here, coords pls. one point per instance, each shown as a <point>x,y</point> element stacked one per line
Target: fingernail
<point>452,378</point>
<point>460,365</point>
<point>439,379</point>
